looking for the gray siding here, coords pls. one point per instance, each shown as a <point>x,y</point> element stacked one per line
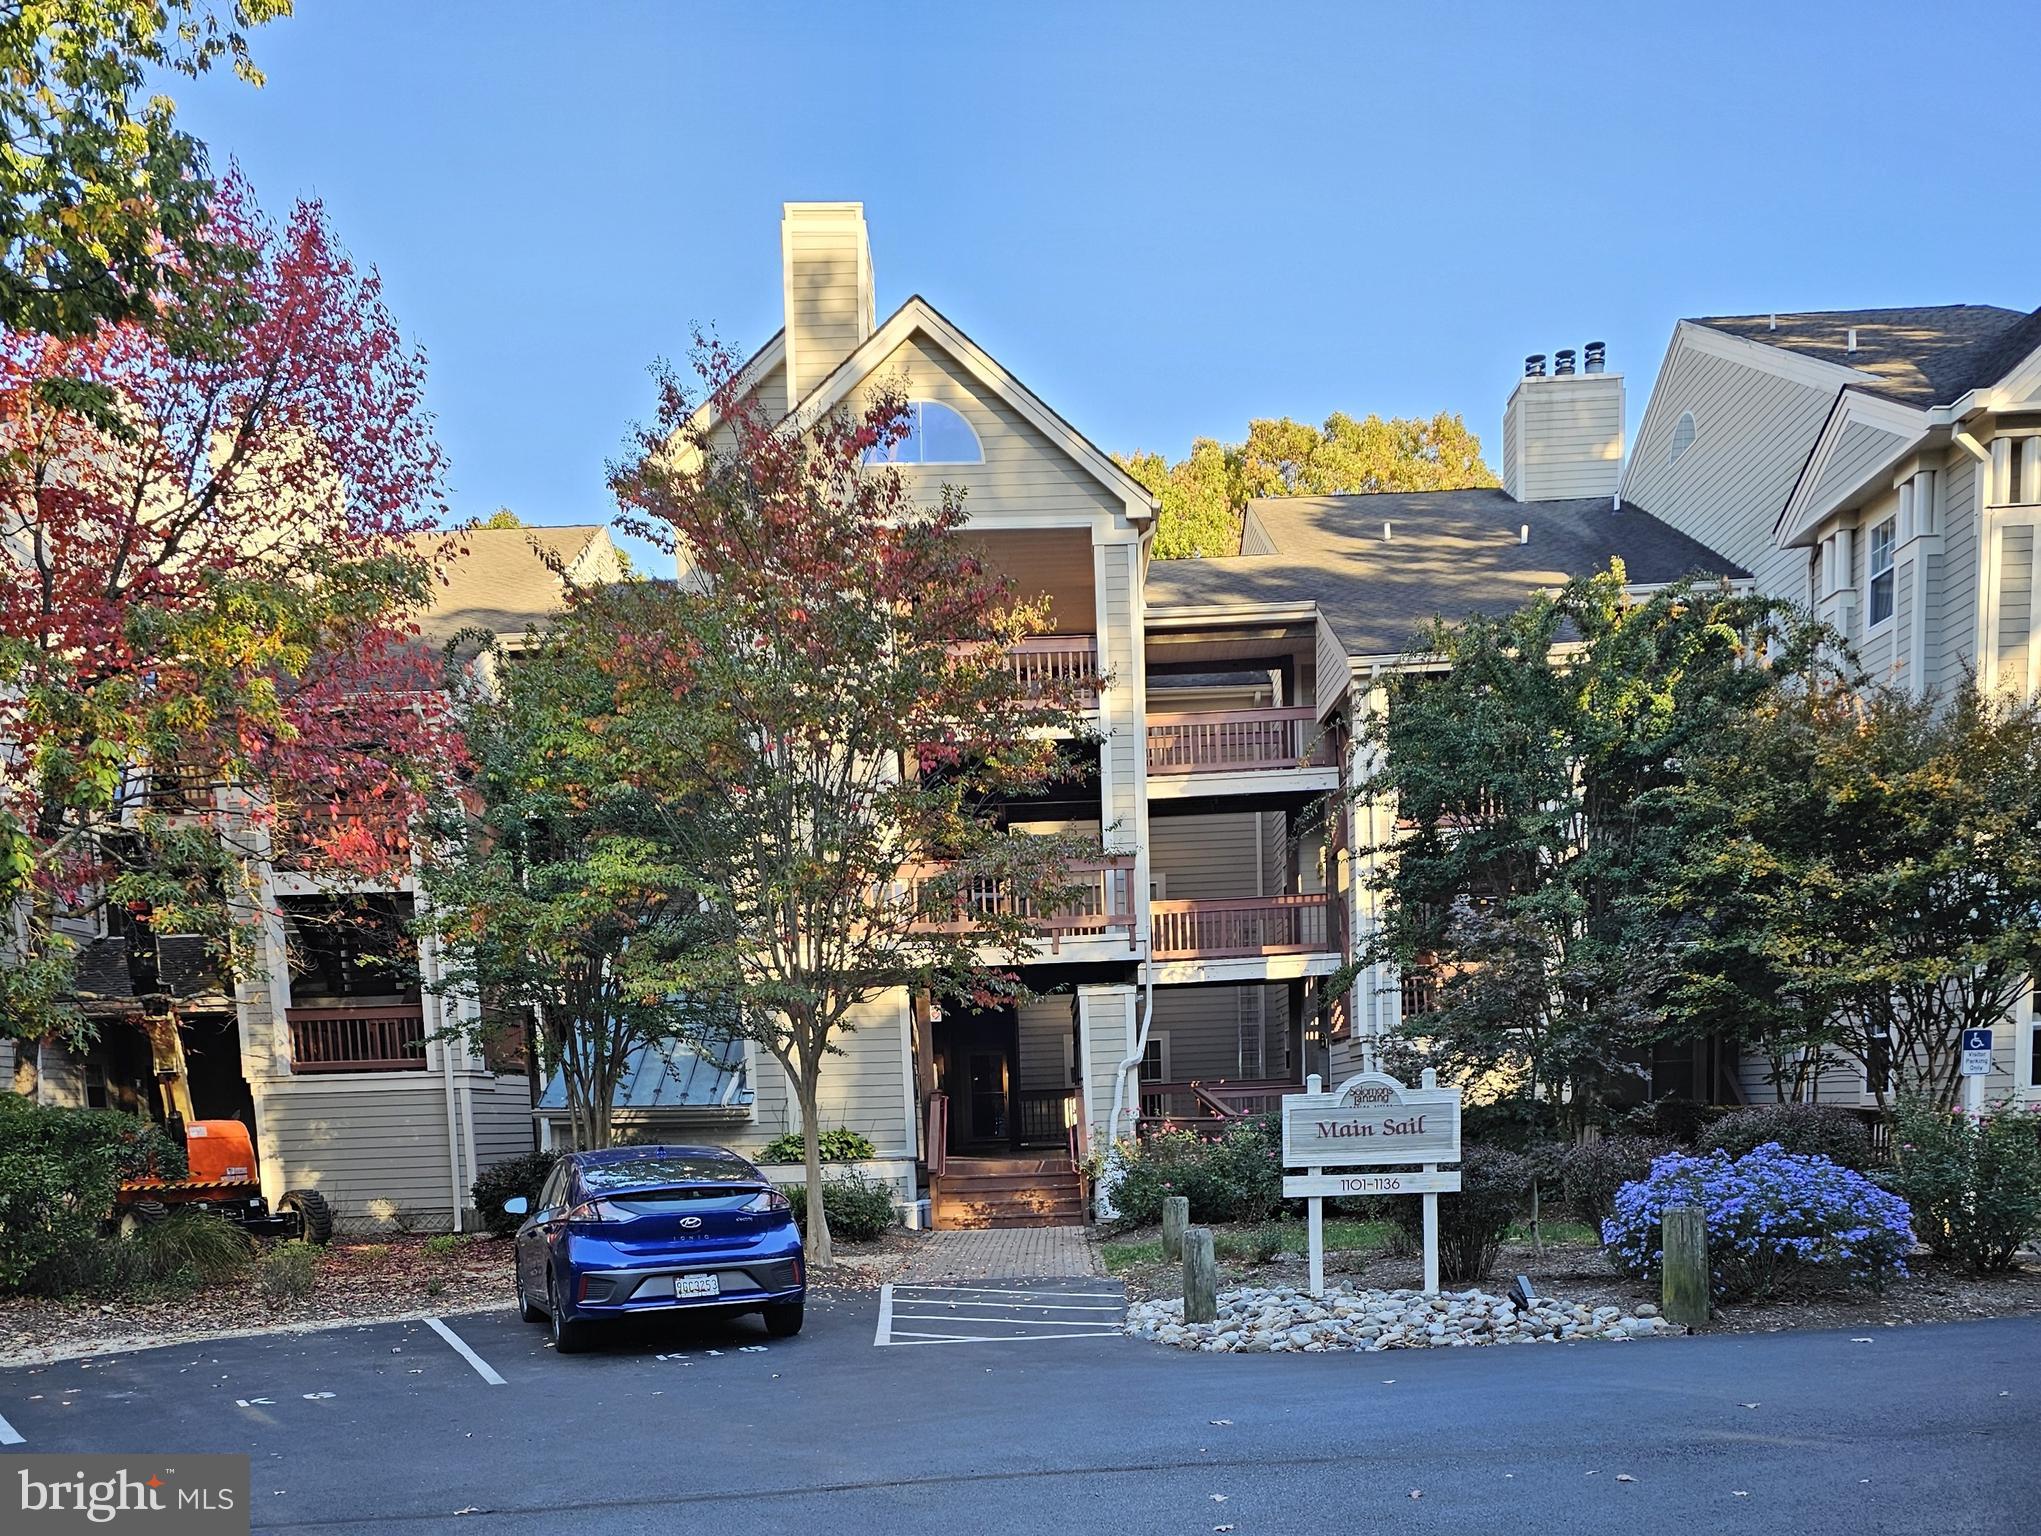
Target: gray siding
<point>1862,449</point>
<point>377,1152</point>
<point>1205,857</point>
<point>864,1088</point>
<point>1204,1028</point>
<point>502,1107</point>
<point>1952,633</point>
<point>1254,539</point>
<point>1123,709</point>
<point>2015,603</point>
<point>1752,434</point>
<point>1045,1028</point>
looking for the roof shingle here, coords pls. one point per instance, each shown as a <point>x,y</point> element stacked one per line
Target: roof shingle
<point>1923,356</point>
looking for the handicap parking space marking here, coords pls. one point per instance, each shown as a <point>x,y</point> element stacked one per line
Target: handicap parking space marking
<point>996,1314</point>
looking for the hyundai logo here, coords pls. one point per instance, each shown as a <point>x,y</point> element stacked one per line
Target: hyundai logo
<point>690,1221</point>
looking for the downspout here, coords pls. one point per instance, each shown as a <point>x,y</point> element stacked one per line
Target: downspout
<point>1134,1060</point>
<point>429,952</point>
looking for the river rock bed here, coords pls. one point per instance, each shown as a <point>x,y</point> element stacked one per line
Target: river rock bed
<point>1287,1318</point>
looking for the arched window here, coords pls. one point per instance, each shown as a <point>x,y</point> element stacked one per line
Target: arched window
<point>1682,437</point>
<point>936,434</point>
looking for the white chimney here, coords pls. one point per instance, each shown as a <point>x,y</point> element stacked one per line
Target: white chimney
<point>1385,533</point>
<point>826,266</point>
<point>1523,533</point>
<point>1850,344</point>
<point>1562,433</point>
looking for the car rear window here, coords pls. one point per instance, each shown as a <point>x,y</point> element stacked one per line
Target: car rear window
<point>641,1172</point>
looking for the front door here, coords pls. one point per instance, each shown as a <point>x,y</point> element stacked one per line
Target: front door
<point>976,1053</point>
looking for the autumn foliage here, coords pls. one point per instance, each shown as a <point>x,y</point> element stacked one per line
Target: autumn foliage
<point>210,561</point>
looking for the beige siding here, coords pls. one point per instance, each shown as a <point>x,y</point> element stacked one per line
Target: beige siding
<point>1568,436</point>
<point>771,393</point>
<point>864,1088</point>
<point>1203,857</point>
<point>1511,470</point>
<point>1862,449</point>
<point>1023,471</point>
<point>1254,538</point>
<point>1052,563</point>
<point>1123,710</point>
<point>826,293</point>
<point>1333,672</point>
<point>377,1150</point>
<point>1752,433</point>
<point>1108,1021</point>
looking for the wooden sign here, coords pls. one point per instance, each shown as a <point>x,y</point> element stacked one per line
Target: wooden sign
<point>1371,1120</point>
<point>1331,1186</point>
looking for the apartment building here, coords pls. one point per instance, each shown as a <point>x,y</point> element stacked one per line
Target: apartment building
<point>1882,467</point>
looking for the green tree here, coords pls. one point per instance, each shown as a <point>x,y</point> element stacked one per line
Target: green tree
<point>1203,496</point>
<point>502,517</point>
<point>1863,869</point>
<point>1532,780</point>
<point>830,689</point>
<point>104,201</point>
<point>560,886</point>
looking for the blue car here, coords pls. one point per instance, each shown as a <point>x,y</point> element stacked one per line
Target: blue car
<point>656,1229</point>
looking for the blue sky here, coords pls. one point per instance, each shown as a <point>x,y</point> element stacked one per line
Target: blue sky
<point>1165,218</point>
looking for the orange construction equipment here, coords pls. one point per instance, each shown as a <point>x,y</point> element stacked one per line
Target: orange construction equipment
<point>222,1178</point>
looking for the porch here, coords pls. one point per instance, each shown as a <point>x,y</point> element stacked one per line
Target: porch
<point>1205,754</point>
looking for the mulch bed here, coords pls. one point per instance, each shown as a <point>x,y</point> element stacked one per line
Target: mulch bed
<point>359,1281</point>
<point>1577,1272</point>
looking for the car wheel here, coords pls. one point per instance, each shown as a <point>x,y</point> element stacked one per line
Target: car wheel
<point>569,1338</point>
<point>783,1319</point>
<point>143,1213</point>
<point>527,1309</point>
<point>315,1216</point>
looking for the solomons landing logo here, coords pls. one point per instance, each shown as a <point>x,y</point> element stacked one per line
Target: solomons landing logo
<point>168,1496</point>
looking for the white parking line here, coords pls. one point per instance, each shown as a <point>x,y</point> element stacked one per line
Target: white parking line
<point>1015,1316</point>
<point>1010,1293</point>
<point>482,1367</point>
<point>906,1340</point>
<point>998,1322</point>
<point>9,1435</point>
<point>885,1315</point>
<point>1038,1306</point>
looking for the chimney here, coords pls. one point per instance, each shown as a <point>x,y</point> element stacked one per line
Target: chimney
<point>826,269</point>
<point>1523,533</point>
<point>1850,342</point>
<point>1562,436</point>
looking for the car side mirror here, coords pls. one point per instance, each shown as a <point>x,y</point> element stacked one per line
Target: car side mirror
<point>516,1205</point>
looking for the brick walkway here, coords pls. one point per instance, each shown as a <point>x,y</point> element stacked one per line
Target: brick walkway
<point>1003,1253</point>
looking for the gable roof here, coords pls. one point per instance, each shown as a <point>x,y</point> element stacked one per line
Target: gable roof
<point>917,314</point>
<point>1450,554</point>
<point>1924,356</point>
<point>501,583</point>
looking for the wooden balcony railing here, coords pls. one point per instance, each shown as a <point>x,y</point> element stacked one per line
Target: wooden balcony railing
<point>1247,925</point>
<point>1207,1104</point>
<point>1237,740</point>
<point>344,1039</point>
<point>1103,903</point>
<point>1046,1115</point>
<point>1043,661</point>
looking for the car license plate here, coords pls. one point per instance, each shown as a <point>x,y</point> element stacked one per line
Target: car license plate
<point>694,1285</point>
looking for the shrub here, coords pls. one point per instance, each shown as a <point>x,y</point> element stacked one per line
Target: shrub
<point>1974,1181</point>
<point>1680,1120</point>
<point>1494,1184</point>
<point>59,1169</point>
<point>287,1272</point>
<point>1807,1130</point>
<point>1772,1217</point>
<point>859,1207</point>
<point>841,1145</point>
<point>505,1181</point>
<point>1591,1172</point>
<point>191,1248</point>
<point>1235,1176</point>
<point>444,1245</point>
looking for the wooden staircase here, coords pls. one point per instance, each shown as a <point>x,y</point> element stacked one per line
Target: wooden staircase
<point>1006,1192</point>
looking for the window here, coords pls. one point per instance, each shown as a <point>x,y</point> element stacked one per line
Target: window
<point>1880,566</point>
<point>1155,1060</point>
<point>936,434</point>
<point>1682,438</point>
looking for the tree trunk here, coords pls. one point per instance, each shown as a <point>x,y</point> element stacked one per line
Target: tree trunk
<point>811,1152</point>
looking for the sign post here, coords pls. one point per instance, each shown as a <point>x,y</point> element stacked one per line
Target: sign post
<point>1371,1121</point>
<point>1975,1067</point>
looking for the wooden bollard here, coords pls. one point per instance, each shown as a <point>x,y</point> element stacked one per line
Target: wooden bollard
<point>1200,1277</point>
<point>1176,1215</point>
<point>1683,1274</point>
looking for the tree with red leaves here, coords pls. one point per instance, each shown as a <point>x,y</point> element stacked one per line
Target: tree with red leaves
<point>827,690</point>
<point>204,639</point>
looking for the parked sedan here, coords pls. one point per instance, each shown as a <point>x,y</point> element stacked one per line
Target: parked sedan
<point>654,1229</point>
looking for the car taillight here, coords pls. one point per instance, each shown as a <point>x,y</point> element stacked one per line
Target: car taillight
<point>598,1210</point>
<point>768,1200</point>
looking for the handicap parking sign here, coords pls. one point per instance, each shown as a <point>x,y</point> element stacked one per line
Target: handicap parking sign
<point>1976,1053</point>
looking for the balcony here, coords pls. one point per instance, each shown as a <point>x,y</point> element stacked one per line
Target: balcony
<point>1247,938</point>
<point>1045,661</point>
<point>383,1038</point>
<point>1101,912</point>
<point>1226,751</point>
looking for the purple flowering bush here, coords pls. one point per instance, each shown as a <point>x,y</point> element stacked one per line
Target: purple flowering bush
<point>1773,1218</point>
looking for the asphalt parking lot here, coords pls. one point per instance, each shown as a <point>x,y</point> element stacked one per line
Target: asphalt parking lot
<point>395,1426</point>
